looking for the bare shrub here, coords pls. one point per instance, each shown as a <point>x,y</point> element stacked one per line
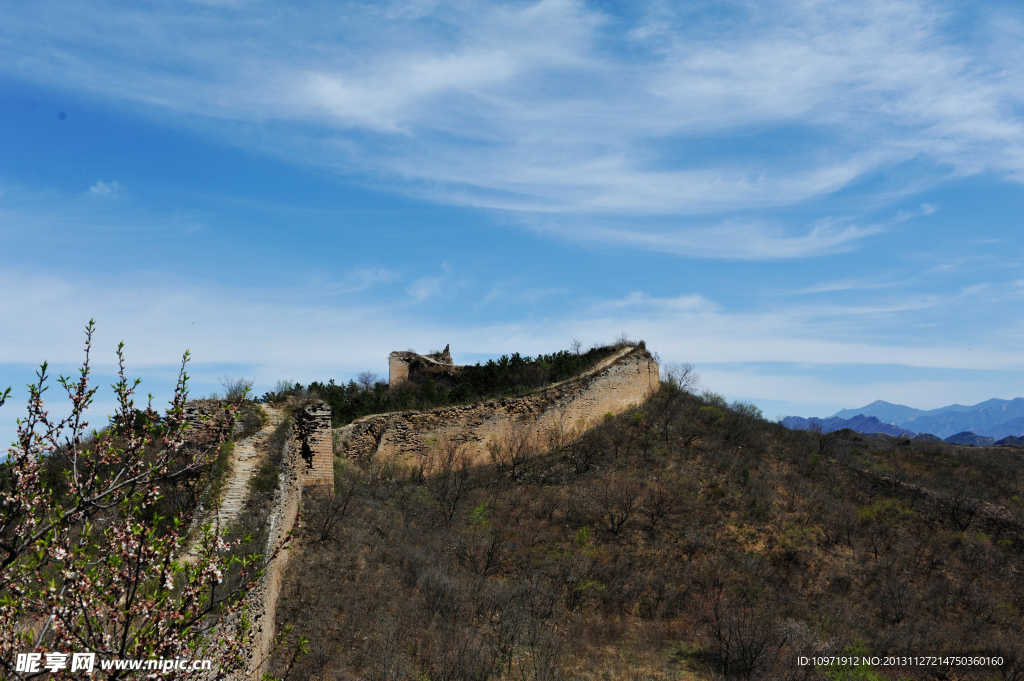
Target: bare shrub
<point>512,450</point>
<point>236,389</point>
<point>581,454</point>
<point>681,377</point>
<point>825,442</point>
<point>743,632</point>
<point>324,510</point>
<point>616,498</point>
<point>446,474</point>
<point>561,433</point>
<point>961,508</point>
<point>366,380</point>
<point>659,503</point>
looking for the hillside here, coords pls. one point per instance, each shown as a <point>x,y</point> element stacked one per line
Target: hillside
<point>682,539</point>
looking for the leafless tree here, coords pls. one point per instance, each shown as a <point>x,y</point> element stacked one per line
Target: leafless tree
<point>581,454</point>
<point>616,498</point>
<point>326,510</point>
<point>825,441</point>
<point>658,504</point>
<point>744,633</point>
<point>560,433</point>
<point>682,377</point>
<point>366,380</point>
<point>960,507</point>
<point>446,473</point>
<point>512,450</point>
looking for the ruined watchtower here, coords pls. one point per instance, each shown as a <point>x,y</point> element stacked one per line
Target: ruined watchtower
<point>406,365</point>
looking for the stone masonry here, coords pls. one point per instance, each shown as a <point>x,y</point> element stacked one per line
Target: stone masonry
<point>402,364</point>
<point>624,379</point>
<point>313,432</point>
<point>207,419</point>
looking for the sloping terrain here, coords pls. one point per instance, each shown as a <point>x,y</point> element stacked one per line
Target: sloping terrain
<point>680,540</point>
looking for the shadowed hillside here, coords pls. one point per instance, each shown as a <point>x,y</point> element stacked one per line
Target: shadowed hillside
<point>681,539</point>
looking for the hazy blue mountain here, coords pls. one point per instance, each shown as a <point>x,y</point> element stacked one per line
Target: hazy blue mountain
<point>1011,441</point>
<point>886,412</point>
<point>859,423</point>
<point>994,418</point>
<point>969,438</point>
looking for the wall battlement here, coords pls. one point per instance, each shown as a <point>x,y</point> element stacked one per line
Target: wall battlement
<point>624,379</point>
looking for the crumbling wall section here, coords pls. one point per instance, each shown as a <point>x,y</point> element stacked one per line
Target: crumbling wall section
<point>261,600</point>
<point>313,434</point>
<point>208,420</point>
<point>398,368</point>
<point>406,364</point>
<point>625,379</point>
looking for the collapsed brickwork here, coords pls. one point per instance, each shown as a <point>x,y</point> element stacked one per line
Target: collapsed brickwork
<point>313,434</point>
<point>624,379</point>
<point>403,365</point>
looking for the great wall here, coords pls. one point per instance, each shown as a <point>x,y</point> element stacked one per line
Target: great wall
<point>625,378</point>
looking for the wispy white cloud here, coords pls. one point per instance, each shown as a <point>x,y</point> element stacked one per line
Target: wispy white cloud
<point>354,280</point>
<point>425,287</point>
<point>741,240</point>
<point>429,287</point>
<point>102,188</point>
<point>557,107</point>
<point>520,292</point>
<point>852,284</point>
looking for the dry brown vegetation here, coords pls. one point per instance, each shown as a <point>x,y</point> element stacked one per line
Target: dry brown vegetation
<point>682,539</point>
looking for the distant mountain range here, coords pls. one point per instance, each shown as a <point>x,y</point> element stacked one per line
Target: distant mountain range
<point>995,419</point>
<point>859,423</point>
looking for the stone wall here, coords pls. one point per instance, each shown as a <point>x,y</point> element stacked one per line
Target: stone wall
<point>313,434</point>
<point>624,379</point>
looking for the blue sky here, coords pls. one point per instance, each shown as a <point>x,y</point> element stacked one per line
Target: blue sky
<point>816,202</point>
